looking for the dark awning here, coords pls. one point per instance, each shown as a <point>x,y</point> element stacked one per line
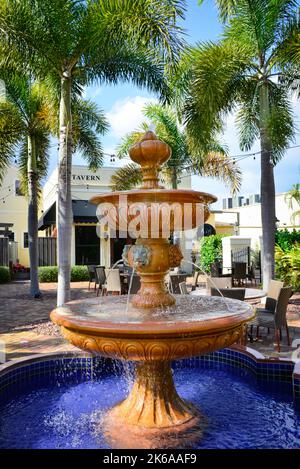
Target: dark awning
<point>48,218</point>
<point>83,212</point>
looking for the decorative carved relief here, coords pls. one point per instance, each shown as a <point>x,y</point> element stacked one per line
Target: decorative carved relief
<point>153,349</point>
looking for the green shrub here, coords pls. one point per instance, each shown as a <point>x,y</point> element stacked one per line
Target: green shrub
<point>4,274</point>
<point>48,274</point>
<point>79,273</point>
<point>287,239</point>
<point>287,265</point>
<point>210,251</point>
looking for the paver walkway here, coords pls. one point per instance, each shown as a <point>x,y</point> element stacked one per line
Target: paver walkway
<point>19,316</point>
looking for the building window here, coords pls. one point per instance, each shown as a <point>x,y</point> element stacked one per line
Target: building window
<point>18,190</point>
<point>25,240</point>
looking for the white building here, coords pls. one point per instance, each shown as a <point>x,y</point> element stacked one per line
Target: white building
<point>247,218</point>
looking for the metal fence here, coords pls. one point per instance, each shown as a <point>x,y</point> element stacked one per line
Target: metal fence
<point>47,251</point>
<point>251,257</point>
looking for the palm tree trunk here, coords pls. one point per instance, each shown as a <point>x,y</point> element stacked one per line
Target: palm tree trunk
<point>33,217</point>
<point>64,201</point>
<point>268,215</point>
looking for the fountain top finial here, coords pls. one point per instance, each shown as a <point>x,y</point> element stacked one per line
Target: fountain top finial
<point>150,153</point>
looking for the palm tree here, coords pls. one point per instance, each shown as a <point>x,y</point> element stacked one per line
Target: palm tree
<point>28,117</point>
<point>240,73</point>
<point>292,197</point>
<point>26,107</point>
<point>83,41</point>
<point>210,161</point>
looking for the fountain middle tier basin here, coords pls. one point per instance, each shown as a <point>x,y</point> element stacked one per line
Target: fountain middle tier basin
<point>153,414</point>
<point>194,325</point>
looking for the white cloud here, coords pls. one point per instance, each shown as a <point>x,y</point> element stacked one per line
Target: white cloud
<point>126,115</point>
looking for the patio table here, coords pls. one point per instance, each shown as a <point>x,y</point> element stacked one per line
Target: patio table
<point>250,293</point>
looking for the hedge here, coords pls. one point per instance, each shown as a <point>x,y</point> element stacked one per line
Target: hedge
<point>4,274</point>
<point>79,273</point>
<point>210,251</point>
<point>286,240</point>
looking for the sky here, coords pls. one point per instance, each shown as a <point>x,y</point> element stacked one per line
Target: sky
<point>123,106</point>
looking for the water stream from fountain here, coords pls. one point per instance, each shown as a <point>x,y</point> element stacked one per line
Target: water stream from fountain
<point>129,290</point>
<point>211,279</point>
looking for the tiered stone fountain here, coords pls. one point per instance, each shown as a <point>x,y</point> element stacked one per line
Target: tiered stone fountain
<point>157,327</point>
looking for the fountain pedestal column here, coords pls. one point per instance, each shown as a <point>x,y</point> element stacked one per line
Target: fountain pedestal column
<point>153,412</point>
<point>152,258</point>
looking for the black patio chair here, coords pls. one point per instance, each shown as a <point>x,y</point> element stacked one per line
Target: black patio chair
<point>278,320</point>
<point>92,275</point>
<point>100,277</point>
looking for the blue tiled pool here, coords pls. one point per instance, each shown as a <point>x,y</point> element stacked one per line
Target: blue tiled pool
<point>58,402</point>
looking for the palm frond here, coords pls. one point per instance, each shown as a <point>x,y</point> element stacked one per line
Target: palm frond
<point>126,178</point>
<point>219,75</point>
<point>226,8</point>
<point>130,139</point>
<point>281,124</point>
<point>11,132</point>
<point>220,166</point>
<point>123,63</point>
<point>88,123</point>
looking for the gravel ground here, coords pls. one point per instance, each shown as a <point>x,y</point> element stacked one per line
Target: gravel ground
<point>45,328</point>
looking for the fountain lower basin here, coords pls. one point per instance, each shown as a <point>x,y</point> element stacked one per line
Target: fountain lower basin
<point>153,411</point>
<point>58,399</point>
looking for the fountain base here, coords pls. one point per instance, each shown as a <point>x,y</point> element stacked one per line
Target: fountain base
<point>153,415</point>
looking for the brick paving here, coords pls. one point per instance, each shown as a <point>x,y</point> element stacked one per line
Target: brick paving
<point>20,315</point>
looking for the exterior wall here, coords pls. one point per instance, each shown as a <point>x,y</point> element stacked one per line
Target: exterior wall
<point>13,209</point>
<point>226,230</point>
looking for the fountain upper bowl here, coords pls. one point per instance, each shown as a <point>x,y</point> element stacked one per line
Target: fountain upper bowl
<point>185,209</point>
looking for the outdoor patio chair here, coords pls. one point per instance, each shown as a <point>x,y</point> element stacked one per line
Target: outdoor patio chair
<point>278,320</point>
<point>218,282</point>
<point>92,275</point>
<point>175,280</point>
<point>197,280</point>
<point>183,288</point>
<point>234,293</point>
<point>239,272</point>
<point>274,290</point>
<point>113,282</point>
<point>100,277</point>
